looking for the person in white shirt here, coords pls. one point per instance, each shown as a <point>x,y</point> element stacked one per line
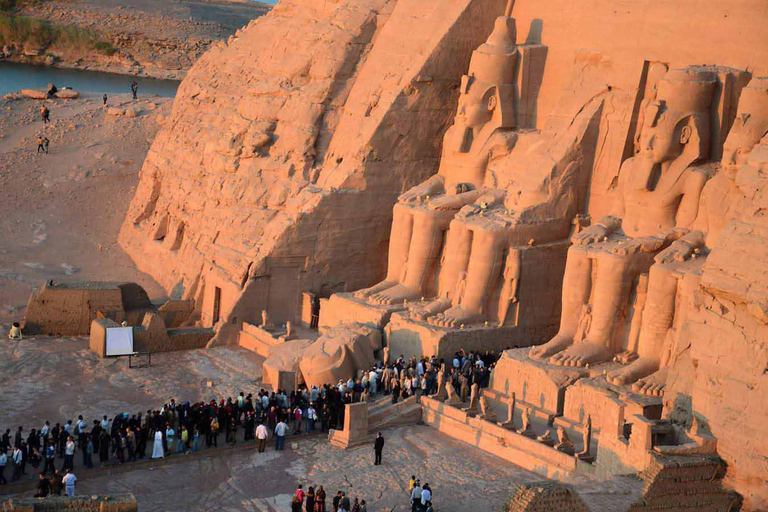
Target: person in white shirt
<point>415,495</point>
<point>69,483</point>
<point>261,434</point>
<point>17,458</point>
<point>46,429</point>
<point>311,417</point>
<point>105,424</point>
<point>426,495</point>
<point>3,463</point>
<point>69,454</point>
<point>280,431</point>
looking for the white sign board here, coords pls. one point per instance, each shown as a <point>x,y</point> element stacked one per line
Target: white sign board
<point>119,341</point>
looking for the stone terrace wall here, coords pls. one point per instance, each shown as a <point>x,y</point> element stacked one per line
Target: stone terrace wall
<point>113,503</point>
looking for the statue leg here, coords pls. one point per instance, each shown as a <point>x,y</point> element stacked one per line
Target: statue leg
<point>615,274</point>
<point>455,260</point>
<point>577,283</point>
<point>657,319</point>
<point>399,242</point>
<point>483,271</point>
<point>428,229</point>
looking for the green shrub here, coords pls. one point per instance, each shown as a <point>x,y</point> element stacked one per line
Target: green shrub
<point>26,31</point>
<point>105,47</point>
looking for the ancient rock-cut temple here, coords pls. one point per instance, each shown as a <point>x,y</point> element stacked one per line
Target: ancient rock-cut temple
<point>583,184</point>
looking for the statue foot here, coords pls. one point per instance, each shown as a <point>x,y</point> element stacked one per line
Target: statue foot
<point>638,369</point>
<point>455,317</point>
<point>423,314</point>
<point>581,354</point>
<point>625,357</point>
<point>653,384</point>
<point>552,347</point>
<point>367,292</point>
<point>394,295</point>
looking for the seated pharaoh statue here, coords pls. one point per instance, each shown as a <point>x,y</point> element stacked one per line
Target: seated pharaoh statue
<point>656,198</point>
<point>534,199</point>
<point>719,200</point>
<point>482,132</point>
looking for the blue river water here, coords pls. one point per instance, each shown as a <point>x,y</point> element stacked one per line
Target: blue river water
<point>14,77</point>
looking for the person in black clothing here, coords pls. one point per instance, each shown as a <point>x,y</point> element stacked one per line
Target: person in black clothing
<point>43,487</point>
<point>378,447</point>
<point>134,89</point>
<point>57,484</point>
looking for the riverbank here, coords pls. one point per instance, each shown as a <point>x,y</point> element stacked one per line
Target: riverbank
<point>146,39</point>
<point>61,211</point>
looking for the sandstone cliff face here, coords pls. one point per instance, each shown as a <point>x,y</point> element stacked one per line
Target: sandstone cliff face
<point>287,147</point>
<point>721,357</point>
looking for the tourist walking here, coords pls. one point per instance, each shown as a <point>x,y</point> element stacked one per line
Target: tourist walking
<point>43,486</point>
<point>69,483</point>
<point>134,89</point>
<point>46,142</point>
<point>105,99</point>
<point>415,497</point>
<point>69,454</point>
<point>157,448</point>
<point>320,500</point>
<point>40,144</point>
<point>378,447</point>
<point>310,499</point>
<point>45,114</point>
<point>280,429</point>
<point>3,463</point>
<point>261,435</point>
<point>426,496</point>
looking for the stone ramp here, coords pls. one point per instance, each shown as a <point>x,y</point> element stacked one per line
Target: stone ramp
<point>384,414</point>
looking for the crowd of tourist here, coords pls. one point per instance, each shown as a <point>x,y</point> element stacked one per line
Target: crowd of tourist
<point>181,428</point>
<point>313,500</point>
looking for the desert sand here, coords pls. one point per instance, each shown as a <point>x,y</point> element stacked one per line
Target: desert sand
<point>61,212</point>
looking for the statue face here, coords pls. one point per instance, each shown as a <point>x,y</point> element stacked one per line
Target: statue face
<point>475,105</point>
<point>745,133</point>
<point>660,139</point>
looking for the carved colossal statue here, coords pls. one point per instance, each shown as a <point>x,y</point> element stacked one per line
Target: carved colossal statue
<point>719,197</point>
<point>656,200</point>
<point>533,198</point>
<point>481,133</point>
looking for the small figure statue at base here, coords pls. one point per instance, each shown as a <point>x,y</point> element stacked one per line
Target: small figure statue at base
<point>441,394</point>
<point>587,437</point>
<point>564,442</point>
<point>527,430</point>
<point>546,438</point>
<point>486,411</point>
<point>474,399</point>
<point>453,398</point>
<point>510,423</point>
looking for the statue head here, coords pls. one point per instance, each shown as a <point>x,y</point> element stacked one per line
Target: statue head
<point>750,125</point>
<point>678,120</point>
<point>487,89</point>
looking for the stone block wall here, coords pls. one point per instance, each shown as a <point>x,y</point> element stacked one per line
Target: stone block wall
<point>111,503</point>
<point>68,309</point>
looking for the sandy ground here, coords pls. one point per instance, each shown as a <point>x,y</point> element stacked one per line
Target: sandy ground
<point>60,213</point>
<point>57,379</point>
